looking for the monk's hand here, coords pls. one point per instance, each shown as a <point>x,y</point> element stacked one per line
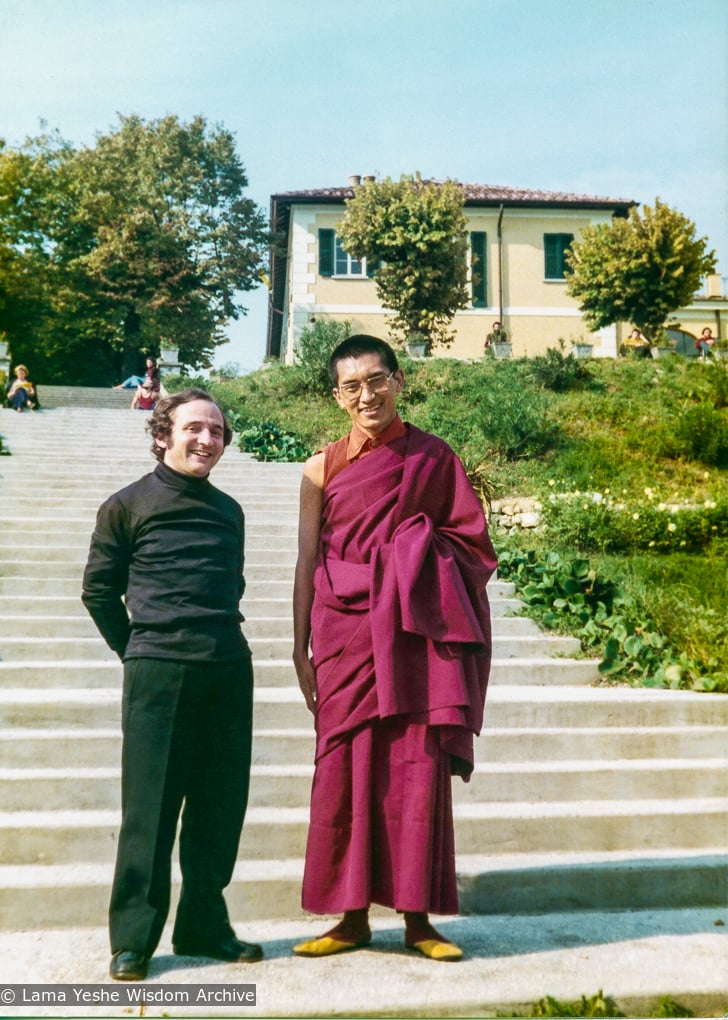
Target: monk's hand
<point>307,681</point>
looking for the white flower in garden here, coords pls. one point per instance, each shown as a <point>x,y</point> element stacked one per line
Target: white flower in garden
<point>597,497</point>
<point>672,526</point>
<point>635,517</point>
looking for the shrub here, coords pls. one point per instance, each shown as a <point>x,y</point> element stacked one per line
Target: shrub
<point>266,441</point>
<point>701,433</point>
<point>604,522</point>
<point>559,372</point>
<point>313,350</point>
<point>513,418</point>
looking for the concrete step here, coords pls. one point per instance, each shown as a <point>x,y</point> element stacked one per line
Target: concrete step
<point>84,397</point>
<point>99,672</point>
<point>57,649</point>
<point>70,586</point>
<point>257,570</point>
<point>606,880</point>
<point>70,607</point>
<point>76,534</point>
<point>78,745</point>
<point>551,707</point>
<point>83,789</point>
<point>62,837</point>
<point>63,896</point>
<point>256,590</point>
<point>21,625</point>
<point>638,956</point>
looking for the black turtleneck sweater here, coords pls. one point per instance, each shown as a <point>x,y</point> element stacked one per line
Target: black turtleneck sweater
<point>164,576</point>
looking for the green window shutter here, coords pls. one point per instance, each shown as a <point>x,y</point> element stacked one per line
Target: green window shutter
<point>551,260</point>
<point>555,247</point>
<point>479,268</point>
<point>326,252</point>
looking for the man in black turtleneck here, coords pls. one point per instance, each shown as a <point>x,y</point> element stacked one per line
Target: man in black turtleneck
<point>163,584</point>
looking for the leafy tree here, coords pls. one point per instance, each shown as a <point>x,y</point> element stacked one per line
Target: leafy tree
<point>147,233</point>
<point>26,186</point>
<point>413,233</point>
<point>638,269</point>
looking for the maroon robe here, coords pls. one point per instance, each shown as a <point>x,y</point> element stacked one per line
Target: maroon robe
<point>401,647</point>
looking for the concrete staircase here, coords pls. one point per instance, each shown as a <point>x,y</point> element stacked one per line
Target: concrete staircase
<point>583,798</point>
<point>83,396</point>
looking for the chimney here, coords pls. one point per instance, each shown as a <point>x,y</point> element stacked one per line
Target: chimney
<point>714,286</point>
<point>369,179</point>
<point>354,180</point>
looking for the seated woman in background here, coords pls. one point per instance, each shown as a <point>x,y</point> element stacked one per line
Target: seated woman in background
<point>134,381</point>
<point>705,342</point>
<point>21,392</point>
<point>145,398</point>
<point>637,345</point>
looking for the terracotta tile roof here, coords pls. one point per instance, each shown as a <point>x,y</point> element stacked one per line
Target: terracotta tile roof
<point>475,194</point>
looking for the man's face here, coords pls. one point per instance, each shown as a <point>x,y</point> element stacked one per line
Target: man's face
<point>196,442</point>
<point>371,411</point>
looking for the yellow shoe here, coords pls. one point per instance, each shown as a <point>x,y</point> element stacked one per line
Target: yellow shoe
<point>325,946</point>
<point>434,949</point>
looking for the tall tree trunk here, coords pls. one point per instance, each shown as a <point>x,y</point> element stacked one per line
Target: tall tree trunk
<point>132,361</point>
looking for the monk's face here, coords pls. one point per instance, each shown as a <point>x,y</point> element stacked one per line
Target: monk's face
<point>374,407</point>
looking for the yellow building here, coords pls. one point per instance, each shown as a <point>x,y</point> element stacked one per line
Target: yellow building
<point>516,260</point>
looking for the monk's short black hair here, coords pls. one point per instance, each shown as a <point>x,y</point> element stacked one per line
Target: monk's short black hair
<point>354,347</point>
<point>161,420</point>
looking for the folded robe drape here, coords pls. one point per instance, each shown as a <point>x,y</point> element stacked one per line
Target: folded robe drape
<point>401,631</point>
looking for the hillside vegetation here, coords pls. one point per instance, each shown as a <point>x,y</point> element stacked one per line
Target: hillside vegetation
<point>628,458</point>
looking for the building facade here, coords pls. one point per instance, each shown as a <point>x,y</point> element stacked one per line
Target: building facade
<point>516,260</point>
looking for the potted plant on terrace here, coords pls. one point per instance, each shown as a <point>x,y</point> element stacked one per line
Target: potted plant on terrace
<point>582,349</point>
<point>416,345</point>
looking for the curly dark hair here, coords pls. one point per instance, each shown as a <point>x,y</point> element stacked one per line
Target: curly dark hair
<point>354,347</point>
<point>161,420</point>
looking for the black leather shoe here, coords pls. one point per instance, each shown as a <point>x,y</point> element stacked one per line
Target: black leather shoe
<point>126,965</point>
<point>227,948</point>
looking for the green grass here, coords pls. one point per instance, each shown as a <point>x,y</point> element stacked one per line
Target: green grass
<point>687,596</point>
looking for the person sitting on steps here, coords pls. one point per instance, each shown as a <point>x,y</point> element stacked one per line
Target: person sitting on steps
<point>21,392</point>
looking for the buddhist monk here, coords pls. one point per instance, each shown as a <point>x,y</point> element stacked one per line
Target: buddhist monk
<point>392,652</point>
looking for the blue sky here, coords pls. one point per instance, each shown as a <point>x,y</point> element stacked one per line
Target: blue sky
<point>622,98</point>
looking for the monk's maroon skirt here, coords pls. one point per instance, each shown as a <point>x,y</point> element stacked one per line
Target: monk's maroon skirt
<point>381,823</point>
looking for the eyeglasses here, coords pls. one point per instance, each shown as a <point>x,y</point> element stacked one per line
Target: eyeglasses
<point>375,384</point>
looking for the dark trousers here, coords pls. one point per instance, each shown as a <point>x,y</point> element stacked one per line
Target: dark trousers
<point>187,731</point>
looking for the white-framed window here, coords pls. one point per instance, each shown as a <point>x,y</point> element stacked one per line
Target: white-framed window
<point>344,263</point>
<point>334,260</point>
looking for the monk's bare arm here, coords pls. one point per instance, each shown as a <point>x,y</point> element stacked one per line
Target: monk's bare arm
<point>309,529</point>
